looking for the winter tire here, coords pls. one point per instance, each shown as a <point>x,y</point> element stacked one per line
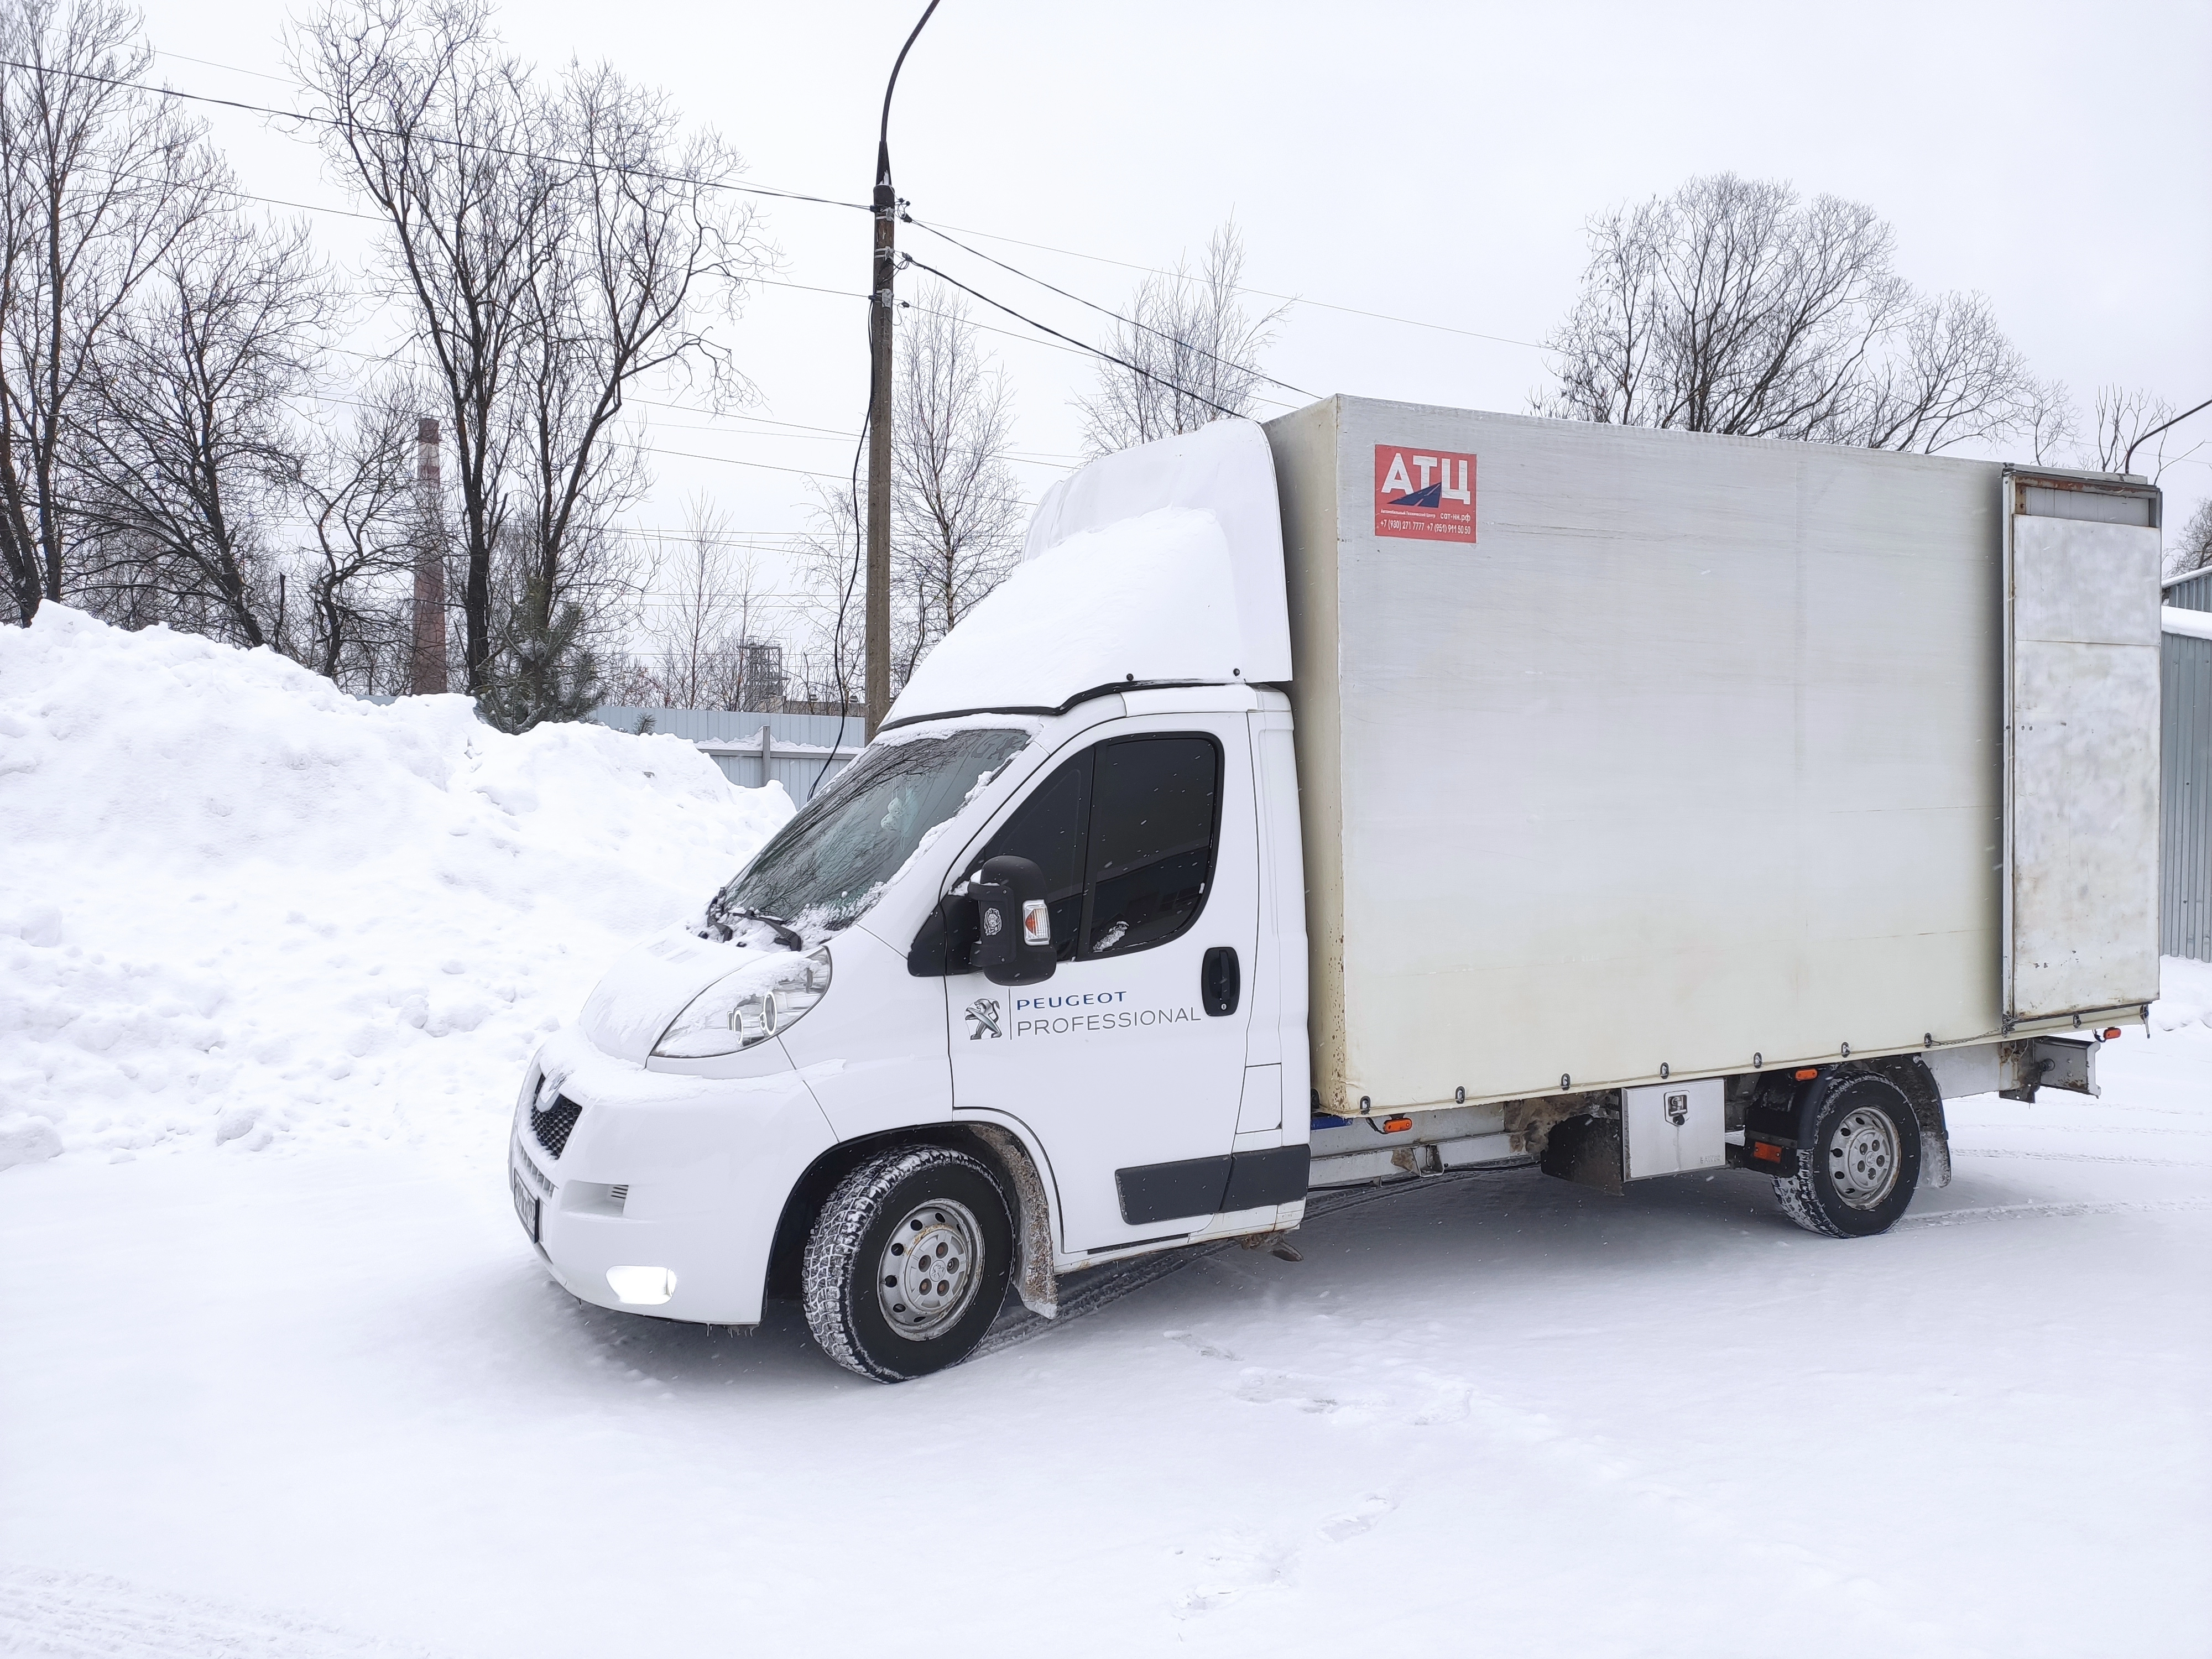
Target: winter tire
<point>1858,1157</point>
<point>907,1263</point>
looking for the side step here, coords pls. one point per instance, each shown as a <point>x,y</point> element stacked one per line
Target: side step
<point>1412,1158</point>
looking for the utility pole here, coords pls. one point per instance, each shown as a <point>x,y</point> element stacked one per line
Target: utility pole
<point>878,630</point>
<point>426,675</point>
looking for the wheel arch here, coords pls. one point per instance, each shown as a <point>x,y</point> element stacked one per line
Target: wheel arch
<point>1003,1150</point>
<point>1783,1105</point>
<point>1911,1074</point>
<point>1806,1191</point>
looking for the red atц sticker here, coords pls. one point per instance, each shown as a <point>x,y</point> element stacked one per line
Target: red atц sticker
<point>1426,494</point>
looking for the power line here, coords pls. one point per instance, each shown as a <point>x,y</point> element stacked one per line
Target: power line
<point>1258,293</point>
<point>1078,349</point>
<point>798,429</point>
<point>826,434</point>
<point>644,449</point>
<point>626,171</point>
<point>208,63</point>
<point>1123,362</point>
<point>988,235</point>
<point>1241,368</point>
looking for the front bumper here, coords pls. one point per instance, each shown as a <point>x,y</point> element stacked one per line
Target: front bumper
<point>689,1173</point>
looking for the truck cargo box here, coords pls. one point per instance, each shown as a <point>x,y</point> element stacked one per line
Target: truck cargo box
<point>1629,754</point>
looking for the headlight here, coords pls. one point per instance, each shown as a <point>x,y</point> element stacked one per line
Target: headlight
<point>748,1007</point>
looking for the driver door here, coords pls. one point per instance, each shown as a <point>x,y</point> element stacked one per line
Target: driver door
<point>1127,1065</point>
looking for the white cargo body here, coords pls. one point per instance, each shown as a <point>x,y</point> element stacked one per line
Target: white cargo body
<point>1697,757</point>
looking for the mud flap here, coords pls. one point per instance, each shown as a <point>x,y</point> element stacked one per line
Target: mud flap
<point>1587,1150</point>
<point>1034,1279</point>
<point>1764,1156</point>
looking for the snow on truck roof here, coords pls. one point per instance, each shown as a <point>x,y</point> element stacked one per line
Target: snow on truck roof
<point>1161,564</point>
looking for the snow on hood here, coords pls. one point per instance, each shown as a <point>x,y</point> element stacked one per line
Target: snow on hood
<point>652,982</point>
<point>1162,562</point>
<point>240,908</point>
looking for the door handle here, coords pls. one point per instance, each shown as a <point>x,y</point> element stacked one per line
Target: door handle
<point>1219,981</point>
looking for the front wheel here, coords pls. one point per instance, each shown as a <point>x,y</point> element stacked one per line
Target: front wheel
<point>1860,1161</point>
<point>907,1263</point>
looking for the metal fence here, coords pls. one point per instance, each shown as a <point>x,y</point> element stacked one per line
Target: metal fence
<point>753,749</point>
<point>2185,841</point>
<point>2190,592</point>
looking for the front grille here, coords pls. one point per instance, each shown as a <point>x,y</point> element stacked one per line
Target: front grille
<point>555,1123</point>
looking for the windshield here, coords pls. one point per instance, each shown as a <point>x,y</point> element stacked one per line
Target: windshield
<point>825,866</point>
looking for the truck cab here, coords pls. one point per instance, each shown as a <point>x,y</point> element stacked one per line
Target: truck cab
<point>827,1080</point>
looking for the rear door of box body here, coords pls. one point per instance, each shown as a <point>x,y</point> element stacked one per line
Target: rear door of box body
<point>2081,599</point>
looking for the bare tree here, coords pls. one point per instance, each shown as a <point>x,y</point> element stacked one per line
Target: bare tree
<point>188,461</point>
<point>1730,306</point>
<point>1950,377</point>
<point>555,246</point>
<point>700,615</point>
<point>831,575</point>
<point>2194,552</point>
<point>1195,351</point>
<point>97,182</point>
<point>357,491</point>
<point>2050,423</point>
<point>957,510</point>
<point>2124,414</point>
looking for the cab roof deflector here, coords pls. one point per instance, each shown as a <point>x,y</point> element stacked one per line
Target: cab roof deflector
<point>1161,565</point>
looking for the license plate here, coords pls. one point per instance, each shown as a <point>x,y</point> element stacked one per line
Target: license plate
<point>525,1202</point>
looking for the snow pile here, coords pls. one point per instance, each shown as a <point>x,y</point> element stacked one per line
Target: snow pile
<point>2184,995</point>
<point>240,908</point>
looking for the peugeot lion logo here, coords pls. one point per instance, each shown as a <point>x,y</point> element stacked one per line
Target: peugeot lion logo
<point>1678,1109</point>
<point>983,1015</point>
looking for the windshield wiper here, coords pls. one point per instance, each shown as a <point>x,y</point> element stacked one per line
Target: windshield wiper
<point>785,932</point>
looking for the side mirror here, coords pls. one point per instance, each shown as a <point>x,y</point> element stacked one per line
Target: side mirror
<point>1013,923</point>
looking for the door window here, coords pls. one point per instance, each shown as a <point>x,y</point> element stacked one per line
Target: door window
<point>1152,812</point>
<point>1048,828</point>
<point>1124,833</point>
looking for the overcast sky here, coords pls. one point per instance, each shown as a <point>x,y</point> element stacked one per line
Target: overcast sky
<point>1435,163</point>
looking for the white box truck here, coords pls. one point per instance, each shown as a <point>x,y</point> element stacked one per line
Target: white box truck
<point>1392,790</point>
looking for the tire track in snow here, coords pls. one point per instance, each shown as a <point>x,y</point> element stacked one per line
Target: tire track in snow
<point>2009,1211</point>
<point>2082,1157</point>
<point>1101,1287</point>
<point>82,1615</point>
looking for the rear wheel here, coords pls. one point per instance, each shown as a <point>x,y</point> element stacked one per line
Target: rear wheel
<point>1859,1160</point>
<point>907,1263</point>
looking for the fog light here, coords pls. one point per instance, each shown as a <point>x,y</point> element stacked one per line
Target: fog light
<point>642,1287</point>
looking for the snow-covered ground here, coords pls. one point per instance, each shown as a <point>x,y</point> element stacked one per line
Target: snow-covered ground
<point>302,1389</point>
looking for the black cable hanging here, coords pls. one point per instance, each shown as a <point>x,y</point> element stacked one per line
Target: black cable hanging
<point>1080,345</point>
<point>1103,310</point>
